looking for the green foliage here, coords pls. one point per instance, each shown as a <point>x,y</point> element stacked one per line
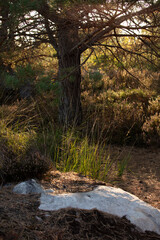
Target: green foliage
<point>17,141</point>
<point>21,76</point>
<point>44,84</point>
<point>90,159</point>
<point>95,80</point>
<point>95,76</point>
<point>11,81</point>
<point>116,109</point>
<point>31,136</point>
<point>25,73</point>
<point>35,76</point>
<point>30,147</point>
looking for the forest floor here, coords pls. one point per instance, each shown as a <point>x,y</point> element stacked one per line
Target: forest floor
<point>20,217</point>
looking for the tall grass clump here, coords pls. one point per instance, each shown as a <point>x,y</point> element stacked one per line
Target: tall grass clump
<point>85,156</point>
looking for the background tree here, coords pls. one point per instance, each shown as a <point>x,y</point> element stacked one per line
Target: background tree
<point>72,27</point>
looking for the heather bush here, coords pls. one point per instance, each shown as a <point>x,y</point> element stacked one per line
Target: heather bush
<point>151,130</point>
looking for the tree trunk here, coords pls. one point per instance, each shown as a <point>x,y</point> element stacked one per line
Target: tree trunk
<point>70,111</point>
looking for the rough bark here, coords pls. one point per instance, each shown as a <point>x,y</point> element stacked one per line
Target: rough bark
<point>70,111</point>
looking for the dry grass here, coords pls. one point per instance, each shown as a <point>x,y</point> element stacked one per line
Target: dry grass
<point>113,113</point>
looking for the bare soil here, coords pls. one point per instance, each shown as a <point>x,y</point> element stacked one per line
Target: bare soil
<point>20,217</point>
<point>142,176</point>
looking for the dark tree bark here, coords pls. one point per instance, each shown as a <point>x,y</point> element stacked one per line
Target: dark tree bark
<point>70,111</point>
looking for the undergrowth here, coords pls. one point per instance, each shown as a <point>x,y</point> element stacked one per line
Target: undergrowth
<point>32,142</point>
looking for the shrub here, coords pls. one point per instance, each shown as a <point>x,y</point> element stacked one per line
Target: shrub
<point>28,80</point>
<point>154,105</point>
<point>31,165</point>
<point>20,155</point>
<point>151,130</point>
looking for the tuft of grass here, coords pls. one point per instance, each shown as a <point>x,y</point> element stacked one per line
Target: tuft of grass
<point>84,156</point>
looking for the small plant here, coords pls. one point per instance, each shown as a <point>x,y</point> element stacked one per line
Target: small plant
<point>96,81</point>
<point>122,165</point>
<point>96,76</point>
